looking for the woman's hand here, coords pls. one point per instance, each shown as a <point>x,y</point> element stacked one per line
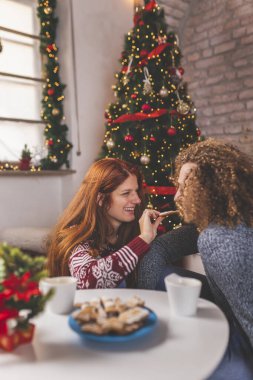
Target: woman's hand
<point>149,223</point>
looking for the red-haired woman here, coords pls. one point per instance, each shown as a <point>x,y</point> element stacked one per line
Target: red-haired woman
<point>98,239</point>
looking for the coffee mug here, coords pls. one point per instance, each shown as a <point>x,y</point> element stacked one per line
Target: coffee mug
<point>183,294</point>
<point>64,287</point>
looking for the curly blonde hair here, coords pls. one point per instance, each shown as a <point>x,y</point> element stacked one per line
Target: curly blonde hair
<point>220,189</point>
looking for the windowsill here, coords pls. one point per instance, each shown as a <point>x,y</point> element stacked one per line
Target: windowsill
<point>42,173</point>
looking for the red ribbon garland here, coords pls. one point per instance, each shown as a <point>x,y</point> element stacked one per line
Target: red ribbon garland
<point>138,116</point>
<point>161,190</point>
<point>156,51</point>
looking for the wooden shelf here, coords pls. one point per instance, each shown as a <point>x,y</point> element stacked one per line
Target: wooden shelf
<point>42,173</point>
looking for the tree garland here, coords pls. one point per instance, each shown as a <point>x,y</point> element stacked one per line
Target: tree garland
<point>52,108</point>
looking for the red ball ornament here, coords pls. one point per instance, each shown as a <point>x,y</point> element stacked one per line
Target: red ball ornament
<point>50,91</point>
<point>106,115</point>
<point>141,23</point>
<point>152,138</point>
<point>172,131</point>
<point>129,138</point>
<point>50,142</point>
<point>50,47</point>
<point>181,70</point>
<point>146,108</point>
<point>198,132</point>
<point>134,96</point>
<point>109,121</point>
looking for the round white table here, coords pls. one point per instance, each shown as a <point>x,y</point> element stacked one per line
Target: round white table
<point>178,348</point>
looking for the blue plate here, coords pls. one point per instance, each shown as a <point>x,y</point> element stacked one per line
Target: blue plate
<point>147,327</point>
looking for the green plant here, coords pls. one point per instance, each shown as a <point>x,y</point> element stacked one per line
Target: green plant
<point>26,153</point>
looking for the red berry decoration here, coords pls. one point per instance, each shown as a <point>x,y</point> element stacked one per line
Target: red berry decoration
<point>134,96</point>
<point>141,23</point>
<point>50,142</point>
<point>198,132</point>
<point>50,91</point>
<point>146,108</point>
<point>129,138</point>
<point>172,131</point>
<point>152,138</point>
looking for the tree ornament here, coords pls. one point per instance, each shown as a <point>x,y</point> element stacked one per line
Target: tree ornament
<point>134,96</point>
<point>163,92</point>
<point>181,71</point>
<point>48,10</point>
<point>109,121</point>
<point>147,88</point>
<point>50,142</point>
<point>106,115</point>
<point>50,91</point>
<point>110,144</point>
<point>183,108</point>
<point>50,47</point>
<point>146,108</point>
<point>162,40</point>
<point>172,131</point>
<point>145,160</point>
<point>129,138</point>
<point>198,132</point>
<point>152,138</point>
<point>125,78</point>
<point>55,111</point>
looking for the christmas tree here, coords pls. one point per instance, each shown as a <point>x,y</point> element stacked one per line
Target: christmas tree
<point>153,117</point>
<point>52,108</point>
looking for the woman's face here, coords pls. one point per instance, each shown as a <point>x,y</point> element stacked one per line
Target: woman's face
<point>180,198</point>
<point>123,202</point>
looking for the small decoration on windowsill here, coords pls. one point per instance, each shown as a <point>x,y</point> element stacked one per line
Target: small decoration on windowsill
<point>25,160</point>
<point>20,297</point>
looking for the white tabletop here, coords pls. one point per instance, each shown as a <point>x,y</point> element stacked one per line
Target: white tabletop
<point>178,348</point>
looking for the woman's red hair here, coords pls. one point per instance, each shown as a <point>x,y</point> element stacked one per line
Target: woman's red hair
<point>84,220</point>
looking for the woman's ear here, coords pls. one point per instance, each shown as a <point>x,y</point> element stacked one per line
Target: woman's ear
<point>100,199</point>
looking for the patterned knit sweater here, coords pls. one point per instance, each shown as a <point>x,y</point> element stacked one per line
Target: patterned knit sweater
<point>109,269</point>
<point>227,255</point>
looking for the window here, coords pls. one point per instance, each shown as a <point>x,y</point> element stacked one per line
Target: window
<point>20,80</point>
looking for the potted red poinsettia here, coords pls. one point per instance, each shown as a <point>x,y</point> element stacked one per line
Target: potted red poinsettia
<point>20,297</point>
<point>25,160</point>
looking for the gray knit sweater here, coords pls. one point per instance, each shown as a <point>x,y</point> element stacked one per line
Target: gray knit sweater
<point>227,255</point>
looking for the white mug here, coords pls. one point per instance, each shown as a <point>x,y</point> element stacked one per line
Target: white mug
<point>64,287</point>
<point>183,294</point>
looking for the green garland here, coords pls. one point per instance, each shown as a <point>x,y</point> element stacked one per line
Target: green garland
<point>52,108</point>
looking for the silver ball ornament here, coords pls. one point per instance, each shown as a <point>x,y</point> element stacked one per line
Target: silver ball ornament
<point>145,160</point>
<point>110,144</point>
<point>163,92</point>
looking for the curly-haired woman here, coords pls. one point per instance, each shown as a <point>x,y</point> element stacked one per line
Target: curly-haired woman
<point>215,184</point>
<point>98,239</point>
